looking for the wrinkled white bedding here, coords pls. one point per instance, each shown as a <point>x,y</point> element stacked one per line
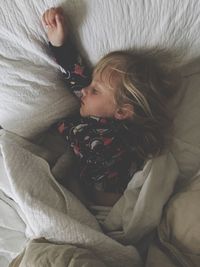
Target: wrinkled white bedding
<point>32,97</point>
<point>51,211</point>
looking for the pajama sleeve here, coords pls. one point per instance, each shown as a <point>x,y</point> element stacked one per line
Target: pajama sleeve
<point>76,73</point>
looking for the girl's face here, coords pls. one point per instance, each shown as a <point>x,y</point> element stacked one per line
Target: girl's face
<point>98,99</point>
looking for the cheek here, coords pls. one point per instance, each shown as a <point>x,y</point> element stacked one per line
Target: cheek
<point>98,106</point>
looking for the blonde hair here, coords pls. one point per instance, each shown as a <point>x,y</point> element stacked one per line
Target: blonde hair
<point>147,79</point>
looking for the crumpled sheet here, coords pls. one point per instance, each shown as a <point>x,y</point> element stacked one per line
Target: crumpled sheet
<point>178,240</point>
<point>51,211</point>
<point>40,252</point>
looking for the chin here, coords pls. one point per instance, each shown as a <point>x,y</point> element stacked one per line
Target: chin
<point>82,113</point>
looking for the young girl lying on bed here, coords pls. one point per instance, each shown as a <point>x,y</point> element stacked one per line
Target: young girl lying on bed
<point>123,112</point>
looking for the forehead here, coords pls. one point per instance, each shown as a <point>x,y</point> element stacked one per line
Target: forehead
<point>107,78</point>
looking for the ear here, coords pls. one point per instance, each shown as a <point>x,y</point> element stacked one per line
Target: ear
<point>124,112</point>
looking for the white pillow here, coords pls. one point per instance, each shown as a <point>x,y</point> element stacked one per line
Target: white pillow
<point>186,145</point>
<point>32,93</point>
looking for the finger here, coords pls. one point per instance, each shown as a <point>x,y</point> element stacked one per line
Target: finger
<point>43,18</point>
<point>59,20</point>
<point>44,23</point>
<point>59,11</point>
<point>46,17</point>
<point>51,17</point>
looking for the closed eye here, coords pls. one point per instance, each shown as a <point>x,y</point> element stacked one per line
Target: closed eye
<point>94,91</point>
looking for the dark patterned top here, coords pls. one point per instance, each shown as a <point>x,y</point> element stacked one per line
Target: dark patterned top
<point>107,161</point>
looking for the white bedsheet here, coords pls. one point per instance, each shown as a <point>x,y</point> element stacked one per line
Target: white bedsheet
<point>51,211</point>
<point>12,226</point>
<point>12,229</point>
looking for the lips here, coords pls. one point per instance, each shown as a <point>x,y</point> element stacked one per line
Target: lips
<point>82,103</point>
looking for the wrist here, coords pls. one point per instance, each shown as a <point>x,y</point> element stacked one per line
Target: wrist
<point>56,44</point>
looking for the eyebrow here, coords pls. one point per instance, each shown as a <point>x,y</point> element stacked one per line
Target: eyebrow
<point>97,85</point>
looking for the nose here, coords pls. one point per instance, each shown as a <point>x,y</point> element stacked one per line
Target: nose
<point>84,91</point>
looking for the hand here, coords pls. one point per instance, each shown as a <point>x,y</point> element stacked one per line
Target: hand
<point>54,23</point>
